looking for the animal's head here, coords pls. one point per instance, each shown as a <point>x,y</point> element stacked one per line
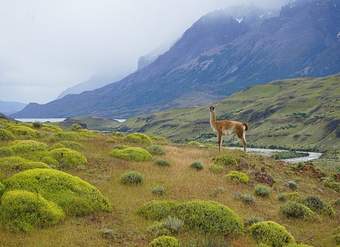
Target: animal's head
<point>212,108</point>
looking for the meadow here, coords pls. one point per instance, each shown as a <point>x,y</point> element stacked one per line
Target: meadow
<point>75,187</point>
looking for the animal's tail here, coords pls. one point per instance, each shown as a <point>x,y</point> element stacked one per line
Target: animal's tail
<point>246,126</point>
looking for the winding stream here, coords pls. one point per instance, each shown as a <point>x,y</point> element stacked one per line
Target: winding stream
<point>269,152</point>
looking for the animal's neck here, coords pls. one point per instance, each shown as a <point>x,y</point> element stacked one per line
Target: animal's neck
<point>213,120</point>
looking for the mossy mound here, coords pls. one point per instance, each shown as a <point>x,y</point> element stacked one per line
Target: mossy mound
<point>216,169</point>
<point>204,216</point>
<point>131,154</point>
<point>296,210</point>
<point>262,190</point>
<point>67,135</point>
<point>157,210</point>
<point>68,158</point>
<point>72,145</point>
<point>6,151</point>
<point>20,130</point>
<point>238,177</point>
<point>6,135</point>
<point>164,241</point>
<point>209,217</point>
<point>23,211</point>
<point>72,194</point>
<point>27,146</point>
<point>138,138</point>
<point>225,160</point>
<point>14,164</point>
<point>271,234</point>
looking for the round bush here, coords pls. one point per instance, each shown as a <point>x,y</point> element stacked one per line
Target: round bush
<point>156,150</point>
<point>50,161</point>
<point>27,146</point>
<point>238,177</point>
<point>23,131</point>
<point>23,210</point>
<point>197,165</point>
<point>132,154</point>
<point>139,138</point>
<point>158,190</point>
<point>6,151</point>
<point>318,206</point>
<point>162,163</point>
<point>132,178</point>
<point>332,184</point>
<point>216,169</point>
<point>173,224</point>
<point>262,190</point>
<point>225,160</point>
<point>157,229</point>
<point>72,194</point>
<point>37,125</point>
<point>271,233</point>
<point>14,164</point>
<point>247,199</point>
<point>209,217</point>
<point>292,185</point>
<point>6,135</point>
<point>296,210</point>
<point>72,145</point>
<point>292,196</point>
<point>68,158</point>
<point>164,241</point>
<point>252,220</point>
<point>157,210</point>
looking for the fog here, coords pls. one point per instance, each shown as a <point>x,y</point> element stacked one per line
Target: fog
<point>47,46</point>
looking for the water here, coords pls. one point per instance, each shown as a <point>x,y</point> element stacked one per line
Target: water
<point>41,120</point>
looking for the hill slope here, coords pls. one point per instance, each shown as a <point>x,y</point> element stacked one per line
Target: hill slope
<point>296,113</point>
<point>10,107</point>
<point>218,55</point>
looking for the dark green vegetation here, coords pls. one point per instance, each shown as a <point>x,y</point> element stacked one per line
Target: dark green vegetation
<point>121,202</point>
<point>288,155</point>
<point>217,56</point>
<point>300,113</point>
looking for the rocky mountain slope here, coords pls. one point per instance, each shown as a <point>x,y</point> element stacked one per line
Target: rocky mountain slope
<point>218,55</point>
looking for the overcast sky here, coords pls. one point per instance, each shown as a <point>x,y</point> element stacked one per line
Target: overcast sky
<point>47,46</point>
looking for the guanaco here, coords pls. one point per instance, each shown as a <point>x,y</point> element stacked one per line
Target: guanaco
<point>224,127</point>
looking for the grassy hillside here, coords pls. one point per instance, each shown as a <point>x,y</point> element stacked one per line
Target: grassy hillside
<point>109,181</point>
<point>298,113</point>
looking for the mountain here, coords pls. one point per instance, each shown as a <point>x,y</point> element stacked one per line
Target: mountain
<point>219,54</point>
<point>296,113</point>
<point>94,82</point>
<point>10,107</point>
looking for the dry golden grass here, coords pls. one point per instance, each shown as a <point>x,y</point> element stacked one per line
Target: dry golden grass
<point>181,183</point>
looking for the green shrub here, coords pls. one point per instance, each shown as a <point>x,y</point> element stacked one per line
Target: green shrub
<point>164,241</point>
<point>197,165</point>
<point>289,196</point>
<point>27,146</point>
<point>173,224</point>
<point>296,210</point>
<point>50,161</point>
<point>156,150</point>
<point>23,211</point>
<point>209,217</point>
<point>68,158</point>
<point>262,190</point>
<point>118,134</point>
<point>20,130</point>
<point>158,190</point>
<point>247,199</point>
<point>332,184</point>
<point>2,189</point>
<point>69,144</point>
<point>76,127</point>
<point>6,135</point>
<point>162,163</point>
<point>138,138</point>
<point>132,178</point>
<point>157,229</point>
<point>72,194</point>
<point>157,210</point>
<point>238,177</point>
<point>13,164</point>
<point>298,245</point>
<point>6,151</point>
<point>216,169</point>
<point>292,185</point>
<point>67,135</point>
<point>37,125</point>
<point>132,154</point>
<point>225,160</point>
<point>318,206</point>
<point>271,233</point>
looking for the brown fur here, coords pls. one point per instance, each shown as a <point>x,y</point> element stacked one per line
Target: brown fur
<point>224,127</point>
